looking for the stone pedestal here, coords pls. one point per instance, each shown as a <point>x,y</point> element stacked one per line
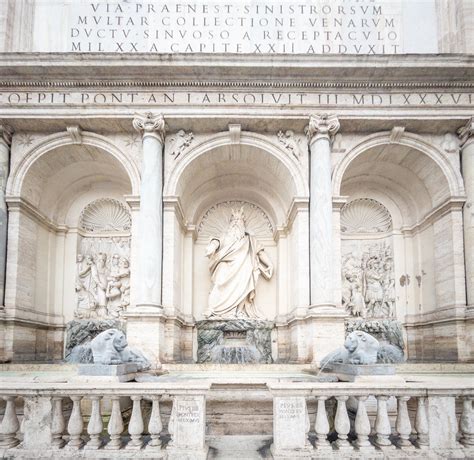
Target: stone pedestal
<point>36,424</point>
<point>102,372</point>
<point>290,428</point>
<point>146,332</point>
<point>442,422</point>
<point>188,428</point>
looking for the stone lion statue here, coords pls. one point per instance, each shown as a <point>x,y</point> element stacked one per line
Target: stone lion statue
<point>110,347</point>
<point>362,348</point>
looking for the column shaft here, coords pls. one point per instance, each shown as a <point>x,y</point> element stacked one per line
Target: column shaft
<point>320,130</point>
<point>5,142</point>
<point>467,157</point>
<point>151,211</point>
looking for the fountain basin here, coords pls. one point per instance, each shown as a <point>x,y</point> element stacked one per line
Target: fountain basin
<point>234,341</point>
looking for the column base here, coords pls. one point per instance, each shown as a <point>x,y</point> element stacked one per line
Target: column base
<point>146,332</point>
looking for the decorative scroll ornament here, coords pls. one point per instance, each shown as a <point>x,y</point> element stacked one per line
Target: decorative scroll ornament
<point>105,215</point>
<point>365,215</point>
<point>216,220</point>
<point>180,142</point>
<point>466,131</point>
<point>290,142</point>
<point>322,125</point>
<point>150,124</point>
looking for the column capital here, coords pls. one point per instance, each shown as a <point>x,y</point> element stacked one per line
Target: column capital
<point>466,132</point>
<point>323,125</point>
<point>150,125</point>
<point>6,133</point>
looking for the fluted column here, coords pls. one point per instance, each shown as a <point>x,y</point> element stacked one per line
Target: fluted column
<point>320,132</point>
<point>466,133</point>
<point>5,142</point>
<point>150,238</point>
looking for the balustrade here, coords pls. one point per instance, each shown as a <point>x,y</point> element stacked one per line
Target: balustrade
<point>380,429</point>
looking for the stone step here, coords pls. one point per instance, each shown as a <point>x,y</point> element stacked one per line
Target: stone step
<point>239,447</point>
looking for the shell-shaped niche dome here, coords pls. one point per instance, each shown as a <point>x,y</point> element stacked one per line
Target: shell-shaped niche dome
<point>105,215</point>
<point>365,215</point>
<point>216,220</point>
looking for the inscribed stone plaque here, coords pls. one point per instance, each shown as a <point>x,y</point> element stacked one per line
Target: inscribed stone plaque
<point>257,27</point>
<point>189,422</point>
<point>289,420</point>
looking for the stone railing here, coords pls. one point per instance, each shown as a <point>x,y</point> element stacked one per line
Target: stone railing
<point>351,419</point>
<point>53,419</point>
<point>432,424</point>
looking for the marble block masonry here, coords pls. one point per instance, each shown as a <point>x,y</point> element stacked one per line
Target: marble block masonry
<point>217,194</point>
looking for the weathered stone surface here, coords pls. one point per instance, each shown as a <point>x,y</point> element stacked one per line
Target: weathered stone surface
<point>81,332</point>
<point>107,370</point>
<point>37,423</point>
<point>234,341</point>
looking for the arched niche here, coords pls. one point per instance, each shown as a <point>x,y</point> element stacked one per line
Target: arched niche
<point>256,173</point>
<point>47,190</point>
<point>423,194</point>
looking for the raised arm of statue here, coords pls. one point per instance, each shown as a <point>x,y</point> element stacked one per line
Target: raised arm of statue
<point>212,247</point>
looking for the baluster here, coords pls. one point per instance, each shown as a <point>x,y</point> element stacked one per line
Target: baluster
<point>403,424</point>
<point>10,424</point>
<point>58,423</point>
<point>136,427</point>
<point>155,425</point>
<point>467,422</point>
<point>362,426</point>
<point>382,424</point>
<point>115,426</point>
<point>75,424</point>
<point>421,424</point>
<point>321,426</point>
<point>95,425</point>
<point>342,423</point>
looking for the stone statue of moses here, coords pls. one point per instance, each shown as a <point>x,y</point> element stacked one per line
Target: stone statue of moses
<point>236,260</point>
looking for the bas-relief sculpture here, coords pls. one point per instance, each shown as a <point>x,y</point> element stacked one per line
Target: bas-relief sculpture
<point>368,280</point>
<point>180,142</point>
<point>102,264</point>
<point>236,261</point>
<point>290,142</point>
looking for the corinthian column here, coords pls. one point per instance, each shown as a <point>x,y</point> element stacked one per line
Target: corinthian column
<point>150,235</point>
<point>5,142</point>
<point>466,133</point>
<point>320,131</point>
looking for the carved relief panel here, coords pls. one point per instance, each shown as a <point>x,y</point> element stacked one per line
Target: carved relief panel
<point>368,279</point>
<point>102,263</point>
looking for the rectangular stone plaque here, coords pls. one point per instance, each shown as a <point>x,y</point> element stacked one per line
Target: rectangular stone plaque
<point>289,423</point>
<point>188,422</point>
<point>257,27</point>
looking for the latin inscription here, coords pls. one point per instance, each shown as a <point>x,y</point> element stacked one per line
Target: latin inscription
<point>241,98</point>
<point>290,409</point>
<point>188,412</point>
<point>290,27</point>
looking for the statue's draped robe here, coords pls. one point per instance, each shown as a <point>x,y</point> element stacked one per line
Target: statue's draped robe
<point>235,269</point>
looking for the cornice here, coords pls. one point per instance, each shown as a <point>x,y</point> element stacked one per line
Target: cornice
<point>220,70</point>
<point>145,84</point>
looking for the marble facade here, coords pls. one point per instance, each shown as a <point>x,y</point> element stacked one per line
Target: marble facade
<point>355,173</point>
